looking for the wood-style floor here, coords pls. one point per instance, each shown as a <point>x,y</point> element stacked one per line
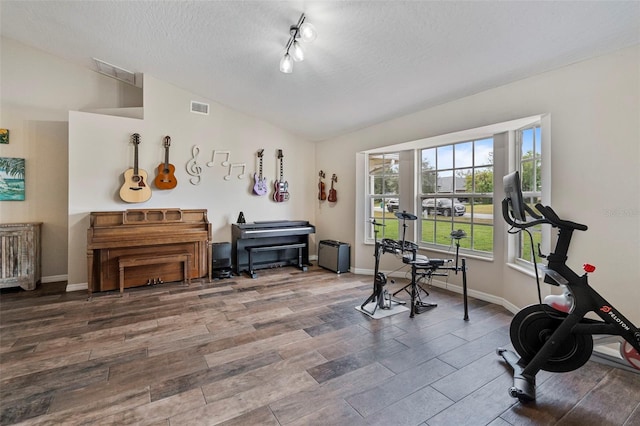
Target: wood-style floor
<point>287,348</point>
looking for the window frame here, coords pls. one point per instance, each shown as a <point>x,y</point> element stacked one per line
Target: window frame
<point>390,224</point>
<point>522,242</point>
<point>455,169</point>
<point>503,134</point>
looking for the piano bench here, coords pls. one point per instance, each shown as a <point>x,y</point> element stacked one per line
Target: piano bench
<point>275,247</point>
<point>153,259</point>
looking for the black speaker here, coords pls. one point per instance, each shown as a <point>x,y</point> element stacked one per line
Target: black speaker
<point>334,256</point>
<point>220,256</point>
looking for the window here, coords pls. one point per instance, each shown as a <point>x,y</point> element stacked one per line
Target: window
<point>383,190</point>
<point>529,163</point>
<point>451,181</point>
<point>456,192</point>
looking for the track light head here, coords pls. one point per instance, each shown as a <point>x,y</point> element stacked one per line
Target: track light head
<point>303,31</point>
<point>308,32</point>
<point>296,51</point>
<point>286,64</point>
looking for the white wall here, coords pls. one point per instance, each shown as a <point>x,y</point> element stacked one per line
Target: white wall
<point>38,90</point>
<point>100,151</point>
<point>594,108</point>
<point>593,105</point>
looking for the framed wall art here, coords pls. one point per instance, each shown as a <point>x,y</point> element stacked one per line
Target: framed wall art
<point>12,172</point>
<point>4,135</point>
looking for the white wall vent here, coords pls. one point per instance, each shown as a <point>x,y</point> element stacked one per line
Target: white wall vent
<point>199,108</point>
<point>116,72</point>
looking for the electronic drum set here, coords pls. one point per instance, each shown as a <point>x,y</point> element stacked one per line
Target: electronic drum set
<point>422,271</point>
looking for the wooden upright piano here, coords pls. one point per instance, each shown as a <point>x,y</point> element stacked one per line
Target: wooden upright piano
<point>146,232</point>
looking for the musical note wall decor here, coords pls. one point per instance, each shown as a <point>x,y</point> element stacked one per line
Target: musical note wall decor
<point>193,168</point>
<point>234,165</point>
<point>227,163</point>
<point>213,157</point>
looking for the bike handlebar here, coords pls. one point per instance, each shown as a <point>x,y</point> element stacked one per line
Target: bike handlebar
<point>548,216</point>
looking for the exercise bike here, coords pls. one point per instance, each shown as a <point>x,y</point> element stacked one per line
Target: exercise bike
<point>554,335</point>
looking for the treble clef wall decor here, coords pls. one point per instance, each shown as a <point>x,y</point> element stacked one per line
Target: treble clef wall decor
<point>193,168</point>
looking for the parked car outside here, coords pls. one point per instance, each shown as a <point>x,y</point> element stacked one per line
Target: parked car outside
<point>392,205</point>
<point>443,206</point>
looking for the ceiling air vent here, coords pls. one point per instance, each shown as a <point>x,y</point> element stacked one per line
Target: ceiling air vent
<point>199,108</point>
<point>115,72</point>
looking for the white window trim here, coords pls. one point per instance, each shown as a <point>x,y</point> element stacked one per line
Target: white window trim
<point>512,244</point>
<point>506,164</point>
<point>368,237</point>
<point>440,247</point>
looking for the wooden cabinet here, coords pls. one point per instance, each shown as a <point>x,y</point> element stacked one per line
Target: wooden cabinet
<point>20,255</point>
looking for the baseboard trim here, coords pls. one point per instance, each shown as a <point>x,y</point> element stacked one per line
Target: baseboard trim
<point>454,288</point>
<point>77,287</point>
<point>54,279</point>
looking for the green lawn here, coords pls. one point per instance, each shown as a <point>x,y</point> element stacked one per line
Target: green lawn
<point>438,229</point>
<point>479,238</point>
<point>482,208</point>
<point>525,242</point>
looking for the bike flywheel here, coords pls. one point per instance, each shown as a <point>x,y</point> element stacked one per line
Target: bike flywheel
<point>629,353</point>
<point>533,326</point>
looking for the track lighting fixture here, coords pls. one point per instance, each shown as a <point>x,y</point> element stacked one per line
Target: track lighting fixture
<point>302,31</point>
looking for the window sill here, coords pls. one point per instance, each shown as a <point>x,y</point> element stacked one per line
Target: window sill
<point>522,269</point>
<point>452,252</point>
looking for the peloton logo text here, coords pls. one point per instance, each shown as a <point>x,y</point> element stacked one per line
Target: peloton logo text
<point>608,310</point>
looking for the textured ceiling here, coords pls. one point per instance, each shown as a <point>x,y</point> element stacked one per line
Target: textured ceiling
<point>372,61</point>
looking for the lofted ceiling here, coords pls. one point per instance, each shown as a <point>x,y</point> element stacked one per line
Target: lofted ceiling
<point>372,60</point>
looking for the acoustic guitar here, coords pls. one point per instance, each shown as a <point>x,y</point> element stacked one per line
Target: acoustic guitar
<point>134,189</point>
<point>322,193</point>
<point>260,185</point>
<point>281,186</point>
<point>165,176</point>
<point>333,196</point>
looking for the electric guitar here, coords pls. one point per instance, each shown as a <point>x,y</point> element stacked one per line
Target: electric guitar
<point>333,196</point>
<point>165,177</point>
<point>134,189</point>
<point>281,186</point>
<point>322,193</point>
<point>260,186</point>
